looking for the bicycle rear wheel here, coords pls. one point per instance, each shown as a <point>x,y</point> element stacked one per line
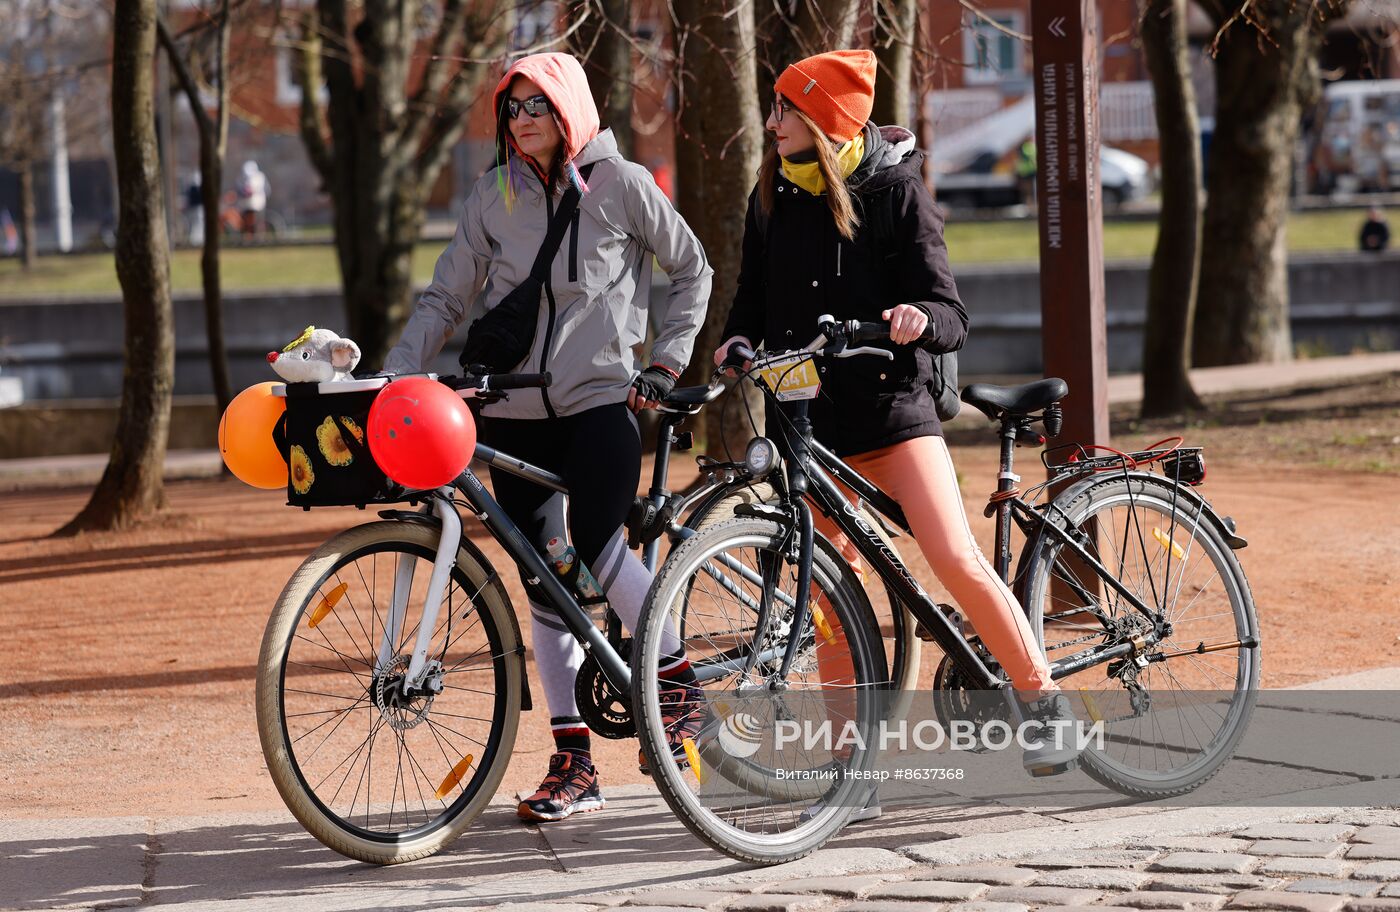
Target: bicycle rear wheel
<point>1172,723</point>
<point>377,775</point>
<point>734,790</point>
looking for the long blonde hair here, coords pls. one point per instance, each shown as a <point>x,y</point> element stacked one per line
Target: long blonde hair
<point>838,197</point>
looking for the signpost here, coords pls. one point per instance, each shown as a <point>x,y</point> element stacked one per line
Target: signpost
<point>1069,198</point>
<point>1070,202</point>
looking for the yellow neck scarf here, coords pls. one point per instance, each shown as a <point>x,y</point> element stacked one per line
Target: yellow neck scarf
<point>808,175</point>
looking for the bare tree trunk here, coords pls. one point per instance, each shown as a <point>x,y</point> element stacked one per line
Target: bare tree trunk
<point>896,31</point>
<point>213,144</point>
<point>1171,292</point>
<point>790,30</point>
<point>379,149</point>
<point>602,44</point>
<point>718,146</point>
<point>132,485</point>
<point>28,233</point>
<point>1265,72</point>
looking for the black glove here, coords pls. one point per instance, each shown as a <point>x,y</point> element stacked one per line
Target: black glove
<point>655,383</point>
<point>502,337</point>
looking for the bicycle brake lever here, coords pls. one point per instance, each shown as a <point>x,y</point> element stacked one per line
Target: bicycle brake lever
<point>864,350</point>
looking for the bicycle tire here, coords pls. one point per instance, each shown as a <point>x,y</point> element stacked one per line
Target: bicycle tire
<point>286,763</point>
<point>1099,508</point>
<point>674,586</point>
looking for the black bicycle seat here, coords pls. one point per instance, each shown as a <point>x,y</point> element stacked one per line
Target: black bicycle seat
<point>995,401</point>
<point>690,398</point>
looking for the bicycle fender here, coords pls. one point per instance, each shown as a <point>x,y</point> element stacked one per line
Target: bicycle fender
<point>1225,525</point>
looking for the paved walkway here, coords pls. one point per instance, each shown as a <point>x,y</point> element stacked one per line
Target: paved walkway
<point>986,856</point>
<point>1122,389</point>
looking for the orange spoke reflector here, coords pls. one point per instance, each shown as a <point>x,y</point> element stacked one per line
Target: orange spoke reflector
<point>1165,541</point>
<point>328,602</point>
<point>453,777</point>
<point>1091,706</point>
<point>693,756</point>
<point>820,620</point>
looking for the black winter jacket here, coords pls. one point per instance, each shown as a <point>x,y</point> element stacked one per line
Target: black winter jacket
<point>797,267</point>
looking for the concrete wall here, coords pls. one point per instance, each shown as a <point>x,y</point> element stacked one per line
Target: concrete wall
<point>72,348</point>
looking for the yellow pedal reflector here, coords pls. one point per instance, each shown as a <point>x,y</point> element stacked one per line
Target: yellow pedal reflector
<point>1091,705</point>
<point>822,625</point>
<point>328,602</point>
<point>453,777</point>
<point>1165,541</point>
<point>693,755</point>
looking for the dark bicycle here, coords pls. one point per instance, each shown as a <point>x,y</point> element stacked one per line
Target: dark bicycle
<point>393,662</point>
<point>1128,578</point>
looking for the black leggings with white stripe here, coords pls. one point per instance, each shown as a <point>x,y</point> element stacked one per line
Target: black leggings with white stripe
<point>598,453</point>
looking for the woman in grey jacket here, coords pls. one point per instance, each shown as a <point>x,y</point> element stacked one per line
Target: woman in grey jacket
<point>591,313</point>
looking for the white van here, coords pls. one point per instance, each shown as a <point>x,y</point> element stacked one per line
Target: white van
<point>1355,143</point>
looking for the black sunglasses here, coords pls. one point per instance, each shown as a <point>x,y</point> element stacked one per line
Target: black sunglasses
<point>535,106</point>
<point>779,106</point>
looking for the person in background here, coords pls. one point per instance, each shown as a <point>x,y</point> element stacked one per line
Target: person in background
<point>1025,171</point>
<point>253,190</point>
<point>194,209</point>
<point>9,235</point>
<point>1375,231</point>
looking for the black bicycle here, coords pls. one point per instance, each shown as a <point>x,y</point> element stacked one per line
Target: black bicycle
<point>1128,578</point>
<point>392,672</point>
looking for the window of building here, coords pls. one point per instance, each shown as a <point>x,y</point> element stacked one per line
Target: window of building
<point>989,53</point>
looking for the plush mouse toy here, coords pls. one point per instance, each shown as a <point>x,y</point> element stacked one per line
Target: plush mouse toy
<point>315,356</point>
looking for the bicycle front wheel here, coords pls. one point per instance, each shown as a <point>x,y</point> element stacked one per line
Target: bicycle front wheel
<point>899,630</point>
<point>735,585</point>
<point>376,773</point>
<point>1172,720</point>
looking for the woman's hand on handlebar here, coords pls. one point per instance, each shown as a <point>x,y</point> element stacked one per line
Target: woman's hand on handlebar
<point>651,387</point>
<point>722,354</point>
<point>907,323</point>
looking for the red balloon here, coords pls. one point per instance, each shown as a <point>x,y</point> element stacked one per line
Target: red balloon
<point>421,433</point>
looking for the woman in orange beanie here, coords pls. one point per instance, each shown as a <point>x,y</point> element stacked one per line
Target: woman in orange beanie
<point>813,244</point>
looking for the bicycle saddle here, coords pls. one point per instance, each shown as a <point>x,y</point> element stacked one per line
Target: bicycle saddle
<point>690,398</point>
<point>994,401</point>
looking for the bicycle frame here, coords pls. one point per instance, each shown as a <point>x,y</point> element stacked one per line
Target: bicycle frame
<point>535,570</point>
<point>815,466</point>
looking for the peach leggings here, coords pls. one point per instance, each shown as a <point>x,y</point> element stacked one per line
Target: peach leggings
<point>919,475</point>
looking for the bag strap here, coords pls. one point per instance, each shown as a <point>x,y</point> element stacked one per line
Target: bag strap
<point>557,226</point>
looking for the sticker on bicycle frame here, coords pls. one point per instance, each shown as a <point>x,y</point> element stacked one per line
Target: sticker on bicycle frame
<point>791,377</point>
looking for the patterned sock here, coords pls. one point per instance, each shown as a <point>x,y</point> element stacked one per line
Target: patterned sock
<point>676,667</point>
<point>570,734</point>
<point>626,581</point>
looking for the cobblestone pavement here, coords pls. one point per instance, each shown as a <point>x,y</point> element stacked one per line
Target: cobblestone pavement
<point>1344,861</point>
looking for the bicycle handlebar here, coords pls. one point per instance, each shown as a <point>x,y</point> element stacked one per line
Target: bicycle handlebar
<point>495,382</point>
<point>878,332</point>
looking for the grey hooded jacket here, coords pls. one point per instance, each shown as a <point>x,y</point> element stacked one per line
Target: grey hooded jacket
<point>600,284</point>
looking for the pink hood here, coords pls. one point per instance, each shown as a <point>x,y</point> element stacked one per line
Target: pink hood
<point>561,78</point>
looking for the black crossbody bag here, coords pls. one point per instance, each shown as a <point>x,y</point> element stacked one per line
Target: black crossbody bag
<point>502,337</point>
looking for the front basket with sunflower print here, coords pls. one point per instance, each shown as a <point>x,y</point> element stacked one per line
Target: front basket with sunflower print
<point>323,440</point>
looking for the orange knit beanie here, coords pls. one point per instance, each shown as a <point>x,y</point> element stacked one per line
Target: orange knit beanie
<point>836,90</point>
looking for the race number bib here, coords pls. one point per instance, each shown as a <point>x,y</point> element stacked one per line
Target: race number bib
<point>791,377</point>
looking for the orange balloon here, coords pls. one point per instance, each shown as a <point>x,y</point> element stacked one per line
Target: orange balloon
<point>245,437</point>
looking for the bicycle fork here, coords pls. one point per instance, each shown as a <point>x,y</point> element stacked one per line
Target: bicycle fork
<point>443,562</point>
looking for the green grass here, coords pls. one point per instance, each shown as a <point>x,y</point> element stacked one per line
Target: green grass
<point>309,267</point>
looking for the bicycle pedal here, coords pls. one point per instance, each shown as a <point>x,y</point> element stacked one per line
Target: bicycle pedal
<point>1041,772</point>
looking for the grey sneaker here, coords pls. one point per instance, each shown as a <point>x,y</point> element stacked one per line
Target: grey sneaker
<point>1055,746</point>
